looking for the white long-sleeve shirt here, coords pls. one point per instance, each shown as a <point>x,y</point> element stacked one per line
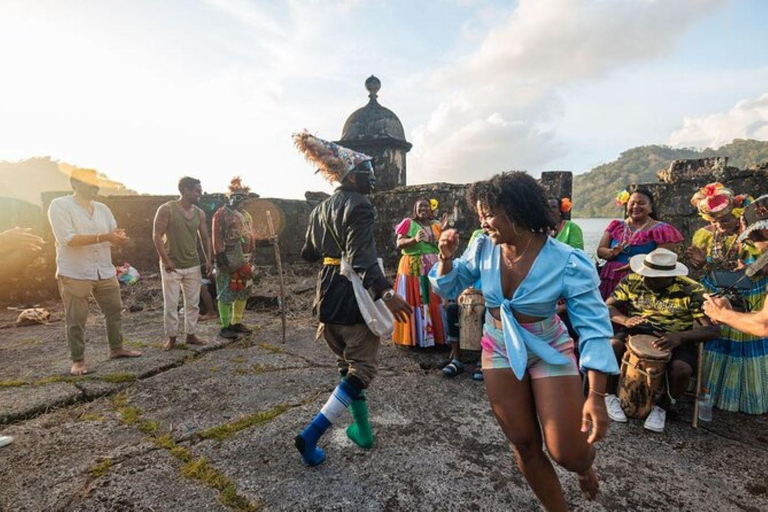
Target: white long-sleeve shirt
<point>68,218</point>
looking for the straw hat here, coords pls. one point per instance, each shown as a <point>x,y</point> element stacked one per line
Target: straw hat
<point>755,216</point>
<point>658,263</point>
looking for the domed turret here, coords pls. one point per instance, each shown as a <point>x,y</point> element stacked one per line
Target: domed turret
<point>376,131</point>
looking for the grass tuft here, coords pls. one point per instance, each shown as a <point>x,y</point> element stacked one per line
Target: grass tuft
<point>149,427</point>
<point>136,344</point>
<point>117,378</point>
<point>100,469</point>
<point>271,348</point>
<point>238,359</point>
<point>227,430</point>
<point>120,400</point>
<point>130,415</point>
<point>164,441</point>
<point>200,470</point>
<point>61,378</point>
<point>181,453</point>
<point>12,383</point>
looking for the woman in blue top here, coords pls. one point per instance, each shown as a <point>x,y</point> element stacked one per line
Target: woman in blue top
<point>530,370</point>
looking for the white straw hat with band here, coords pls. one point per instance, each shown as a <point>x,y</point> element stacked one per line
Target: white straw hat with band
<point>658,263</point>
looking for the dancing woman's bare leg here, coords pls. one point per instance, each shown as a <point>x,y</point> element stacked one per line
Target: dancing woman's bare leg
<point>559,402</point>
<point>512,402</point>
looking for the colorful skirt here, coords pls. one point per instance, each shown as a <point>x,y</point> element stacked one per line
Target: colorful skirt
<point>425,328</point>
<point>735,366</point>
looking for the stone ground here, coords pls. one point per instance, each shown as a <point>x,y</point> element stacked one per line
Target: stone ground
<point>213,429</point>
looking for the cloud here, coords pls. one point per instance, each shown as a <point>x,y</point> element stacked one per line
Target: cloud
<point>748,119</point>
<point>499,103</point>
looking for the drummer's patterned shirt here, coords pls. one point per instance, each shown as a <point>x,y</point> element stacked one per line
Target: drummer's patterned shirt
<point>671,309</point>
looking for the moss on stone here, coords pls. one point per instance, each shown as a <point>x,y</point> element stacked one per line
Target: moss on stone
<point>227,430</point>
<point>181,453</point>
<point>164,441</point>
<point>149,427</point>
<point>101,468</point>
<point>12,383</point>
<point>200,470</point>
<point>118,378</point>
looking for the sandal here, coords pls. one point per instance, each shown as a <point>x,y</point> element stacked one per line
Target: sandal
<point>453,368</point>
<point>477,376</point>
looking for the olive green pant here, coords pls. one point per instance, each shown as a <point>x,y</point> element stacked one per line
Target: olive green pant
<point>75,294</point>
<point>356,349</point>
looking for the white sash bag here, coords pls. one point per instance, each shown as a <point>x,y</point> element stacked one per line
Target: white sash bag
<point>376,314</point>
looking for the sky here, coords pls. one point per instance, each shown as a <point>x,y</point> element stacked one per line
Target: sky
<point>147,91</point>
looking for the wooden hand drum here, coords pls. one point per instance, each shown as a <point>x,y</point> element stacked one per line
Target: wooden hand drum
<point>642,375</point>
<point>471,309</point>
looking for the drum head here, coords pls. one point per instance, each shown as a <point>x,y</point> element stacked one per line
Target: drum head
<point>471,296</point>
<point>642,345</point>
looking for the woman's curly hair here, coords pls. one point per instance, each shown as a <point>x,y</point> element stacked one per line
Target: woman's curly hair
<point>519,196</point>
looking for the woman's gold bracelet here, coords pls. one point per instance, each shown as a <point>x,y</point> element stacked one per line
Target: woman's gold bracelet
<point>598,393</point>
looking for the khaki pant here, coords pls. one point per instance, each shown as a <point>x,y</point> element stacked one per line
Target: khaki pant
<point>356,349</point>
<point>186,281</point>
<point>74,294</point>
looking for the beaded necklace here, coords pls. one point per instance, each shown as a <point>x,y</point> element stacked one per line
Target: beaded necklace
<point>628,235</point>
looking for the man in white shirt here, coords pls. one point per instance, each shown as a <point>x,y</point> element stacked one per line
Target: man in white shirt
<point>84,231</point>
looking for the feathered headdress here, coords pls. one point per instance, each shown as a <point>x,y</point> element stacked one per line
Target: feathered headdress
<point>334,162</point>
<point>236,187</point>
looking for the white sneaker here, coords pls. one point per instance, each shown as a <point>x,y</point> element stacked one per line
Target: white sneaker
<point>656,419</point>
<point>5,440</point>
<point>615,412</point>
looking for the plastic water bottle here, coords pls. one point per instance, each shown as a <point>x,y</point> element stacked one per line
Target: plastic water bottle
<point>705,406</point>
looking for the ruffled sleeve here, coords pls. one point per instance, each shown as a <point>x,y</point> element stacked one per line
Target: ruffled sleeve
<point>465,272</point>
<point>615,228</point>
<point>588,314</point>
<point>664,233</point>
<point>403,227</point>
<point>702,238</point>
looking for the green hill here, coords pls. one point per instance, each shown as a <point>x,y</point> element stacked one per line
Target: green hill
<point>594,191</point>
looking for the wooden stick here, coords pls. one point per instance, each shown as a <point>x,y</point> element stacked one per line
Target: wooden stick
<point>699,357</point>
<point>279,262</point>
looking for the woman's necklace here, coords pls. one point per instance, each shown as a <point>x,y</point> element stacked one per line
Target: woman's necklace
<point>629,234</point>
<point>515,260</point>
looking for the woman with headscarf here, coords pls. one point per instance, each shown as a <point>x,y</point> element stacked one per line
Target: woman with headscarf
<point>735,366</point>
<point>638,233</point>
<point>417,239</point>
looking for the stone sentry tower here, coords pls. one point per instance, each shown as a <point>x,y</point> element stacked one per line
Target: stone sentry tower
<point>377,132</point>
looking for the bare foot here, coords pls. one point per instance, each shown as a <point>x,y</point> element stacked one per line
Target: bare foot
<point>589,484</point>
<point>205,318</point>
<point>123,352</point>
<point>170,344</point>
<point>194,340</point>
<point>78,368</point>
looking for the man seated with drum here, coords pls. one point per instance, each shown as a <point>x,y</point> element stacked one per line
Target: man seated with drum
<point>660,300</point>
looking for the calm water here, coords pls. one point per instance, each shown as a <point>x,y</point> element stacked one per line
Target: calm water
<point>593,231</point>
